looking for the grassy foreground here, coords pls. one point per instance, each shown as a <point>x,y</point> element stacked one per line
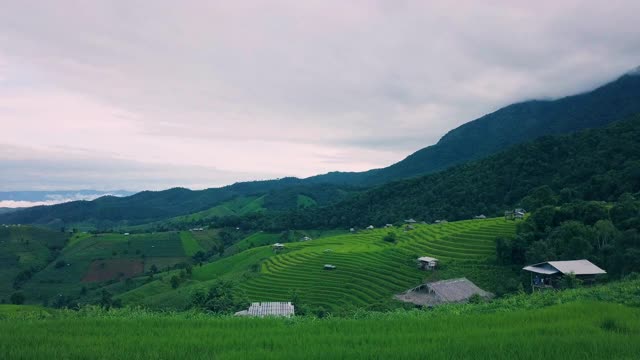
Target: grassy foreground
<point>577,330</point>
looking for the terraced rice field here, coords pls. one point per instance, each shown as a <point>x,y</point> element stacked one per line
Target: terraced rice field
<point>370,270</point>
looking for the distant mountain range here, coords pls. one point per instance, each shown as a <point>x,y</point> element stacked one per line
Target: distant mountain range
<point>477,139</point>
<point>592,165</point>
<point>508,126</point>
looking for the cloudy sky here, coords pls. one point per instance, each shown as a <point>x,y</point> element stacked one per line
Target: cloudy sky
<point>152,94</point>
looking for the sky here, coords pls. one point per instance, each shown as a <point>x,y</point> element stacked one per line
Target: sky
<point>154,94</point>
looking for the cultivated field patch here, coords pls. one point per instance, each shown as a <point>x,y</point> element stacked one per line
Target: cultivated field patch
<point>103,270</point>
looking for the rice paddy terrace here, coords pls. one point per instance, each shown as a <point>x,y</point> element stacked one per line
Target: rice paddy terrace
<point>370,270</point>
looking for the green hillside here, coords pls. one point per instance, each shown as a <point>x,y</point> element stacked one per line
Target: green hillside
<point>239,206</point>
<point>597,164</point>
<point>24,250</point>
<point>93,261</point>
<point>513,124</point>
<point>369,270</point>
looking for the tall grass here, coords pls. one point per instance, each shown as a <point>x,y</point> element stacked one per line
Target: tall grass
<point>580,330</point>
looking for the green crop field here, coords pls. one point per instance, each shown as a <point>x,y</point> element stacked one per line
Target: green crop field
<point>369,270</point>
<point>87,258</point>
<point>24,247</point>
<point>189,243</point>
<point>579,330</point>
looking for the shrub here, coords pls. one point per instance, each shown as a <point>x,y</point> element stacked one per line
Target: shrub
<point>390,237</point>
<point>17,298</point>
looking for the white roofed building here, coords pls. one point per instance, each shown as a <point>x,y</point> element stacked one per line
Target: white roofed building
<point>262,309</point>
<point>546,274</point>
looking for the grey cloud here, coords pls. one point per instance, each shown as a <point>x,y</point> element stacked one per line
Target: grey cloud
<point>358,79</point>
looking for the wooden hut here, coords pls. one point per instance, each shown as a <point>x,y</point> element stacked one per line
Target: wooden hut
<point>427,263</point>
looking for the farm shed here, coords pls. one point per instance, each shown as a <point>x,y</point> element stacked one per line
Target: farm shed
<point>262,309</point>
<point>427,263</point>
<point>370,227</point>
<point>278,247</point>
<point>444,291</point>
<point>546,274</point>
<point>410,221</point>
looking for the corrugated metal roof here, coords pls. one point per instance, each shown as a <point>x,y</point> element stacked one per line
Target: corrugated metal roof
<point>271,309</point>
<point>456,290</point>
<point>577,267</point>
<point>426,258</point>
<point>542,268</point>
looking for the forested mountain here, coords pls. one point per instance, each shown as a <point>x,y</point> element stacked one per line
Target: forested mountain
<point>510,125</point>
<point>148,206</point>
<point>479,138</point>
<point>596,164</point>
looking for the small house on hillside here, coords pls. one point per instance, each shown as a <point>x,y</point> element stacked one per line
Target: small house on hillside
<point>388,226</point>
<point>410,221</point>
<point>548,273</point>
<point>305,238</point>
<point>278,246</point>
<point>427,263</point>
<point>515,214</point>
<point>329,267</point>
<point>352,230</point>
<point>262,309</point>
<point>370,227</point>
<point>445,291</point>
<point>480,217</point>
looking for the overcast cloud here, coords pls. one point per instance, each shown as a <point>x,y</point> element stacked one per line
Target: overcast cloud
<point>152,94</point>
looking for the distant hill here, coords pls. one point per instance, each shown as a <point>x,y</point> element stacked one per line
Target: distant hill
<point>595,164</point>
<point>477,139</point>
<point>150,206</point>
<point>6,210</point>
<point>510,125</point>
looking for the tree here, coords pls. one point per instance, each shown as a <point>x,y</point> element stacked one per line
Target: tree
<point>175,282</point>
<point>107,301</point>
<point>390,237</point>
<point>17,298</point>
<point>222,297</point>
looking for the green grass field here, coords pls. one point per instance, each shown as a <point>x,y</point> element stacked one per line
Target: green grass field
<point>189,243</point>
<point>369,270</point>
<point>85,252</point>
<point>580,330</point>
<point>24,247</point>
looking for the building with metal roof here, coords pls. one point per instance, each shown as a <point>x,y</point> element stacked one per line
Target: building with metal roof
<point>548,273</point>
<point>262,309</point>
<point>444,291</point>
<point>576,267</point>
